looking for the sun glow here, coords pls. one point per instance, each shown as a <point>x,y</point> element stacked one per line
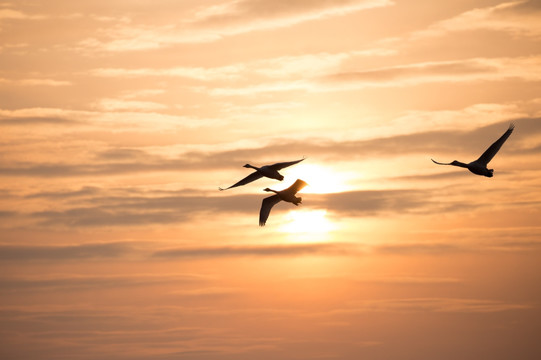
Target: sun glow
<point>320,179</point>
<point>301,222</point>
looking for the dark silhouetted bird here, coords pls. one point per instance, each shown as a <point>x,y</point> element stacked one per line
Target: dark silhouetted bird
<point>479,166</point>
<point>270,171</point>
<point>285,195</point>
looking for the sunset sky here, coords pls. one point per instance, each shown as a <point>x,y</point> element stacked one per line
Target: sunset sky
<point>119,120</point>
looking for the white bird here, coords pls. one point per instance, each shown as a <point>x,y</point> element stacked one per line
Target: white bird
<point>285,195</point>
<point>270,171</point>
<point>479,166</point>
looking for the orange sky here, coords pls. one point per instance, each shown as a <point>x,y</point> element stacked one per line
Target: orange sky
<point>120,119</point>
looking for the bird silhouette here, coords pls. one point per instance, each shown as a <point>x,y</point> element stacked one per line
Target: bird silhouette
<point>479,166</point>
<point>270,171</point>
<point>285,195</point>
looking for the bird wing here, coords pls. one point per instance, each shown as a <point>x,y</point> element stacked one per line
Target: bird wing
<point>248,179</point>
<point>282,165</point>
<point>439,163</point>
<point>297,186</point>
<point>266,206</point>
<point>493,149</point>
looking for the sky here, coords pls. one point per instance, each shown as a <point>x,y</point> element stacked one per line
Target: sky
<point>120,119</point>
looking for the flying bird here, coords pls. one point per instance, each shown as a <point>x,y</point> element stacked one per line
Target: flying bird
<point>285,195</point>
<point>270,171</point>
<point>479,166</point>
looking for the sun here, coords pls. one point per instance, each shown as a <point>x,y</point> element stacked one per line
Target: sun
<point>320,179</point>
<point>307,222</point>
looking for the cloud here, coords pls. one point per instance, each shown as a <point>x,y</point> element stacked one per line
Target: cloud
<point>97,208</point>
<point>102,216</point>
<point>371,202</point>
<point>280,67</point>
<point>36,82</point>
<point>455,71</point>
<point>213,23</point>
<point>207,292</point>
<point>142,93</point>
<point>269,250</point>
<point>477,69</point>
<point>506,17</point>
<point>85,191</point>
<point>67,252</point>
<point>419,248</point>
<point>388,279</point>
<point>199,73</point>
<point>442,68</point>
<point>10,14</point>
<point>525,5</point>
<point>268,87</point>
<point>438,305</point>
<point>32,121</point>
<point>7,214</point>
<point>427,142</point>
<point>128,105</point>
<point>83,282</point>
<point>414,280</point>
<point>124,118</point>
<point>123,332</point>
<point>241,16</point>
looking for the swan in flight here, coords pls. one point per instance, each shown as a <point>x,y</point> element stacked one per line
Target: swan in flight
<point>479,166</point>
<point>270,171</point>
<point>286,195</point>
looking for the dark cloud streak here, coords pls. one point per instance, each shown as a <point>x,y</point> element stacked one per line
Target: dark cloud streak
<point>400,72</point>
<point>269,250</point>
<point>32,121</point>
<point>93,282</point>
<point>134,208</point>
<point>133,161</point>
<point>67,252</point>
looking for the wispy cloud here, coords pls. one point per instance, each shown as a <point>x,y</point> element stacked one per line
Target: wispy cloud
<point>456,71</point>
<point>216,22</point>
<point>283,67</point>
<point>36,82</point>
<point>95,332</point>
<point>81,282</point>
<point>288,12</point>
<point>476,69</point>
<point>426,141</point>
<point>198,73</point>
<point>95,208</point>
<point>27,121</point>
<point>272,250</point>
<point>128,105</point>
<point>65,253</point>
<point>128,115</point>
<point>248,15</point>
<point>505,17</point>
<point>11,14</point>
<point>440,305</point>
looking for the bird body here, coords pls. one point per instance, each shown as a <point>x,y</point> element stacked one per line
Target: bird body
<point>287,195</point>
<point>479,166</point>
<point>269,171</point>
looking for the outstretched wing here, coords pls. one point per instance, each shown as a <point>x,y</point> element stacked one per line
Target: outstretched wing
<point>248,179</point>
<point>282,165</point>
<point>439,163</point>
<point>266,206</point>
<point>493,149</point>
<point>297,186</point>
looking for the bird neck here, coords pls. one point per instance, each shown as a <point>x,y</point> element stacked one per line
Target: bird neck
<point>458,163</point>
<point>270,190</point>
